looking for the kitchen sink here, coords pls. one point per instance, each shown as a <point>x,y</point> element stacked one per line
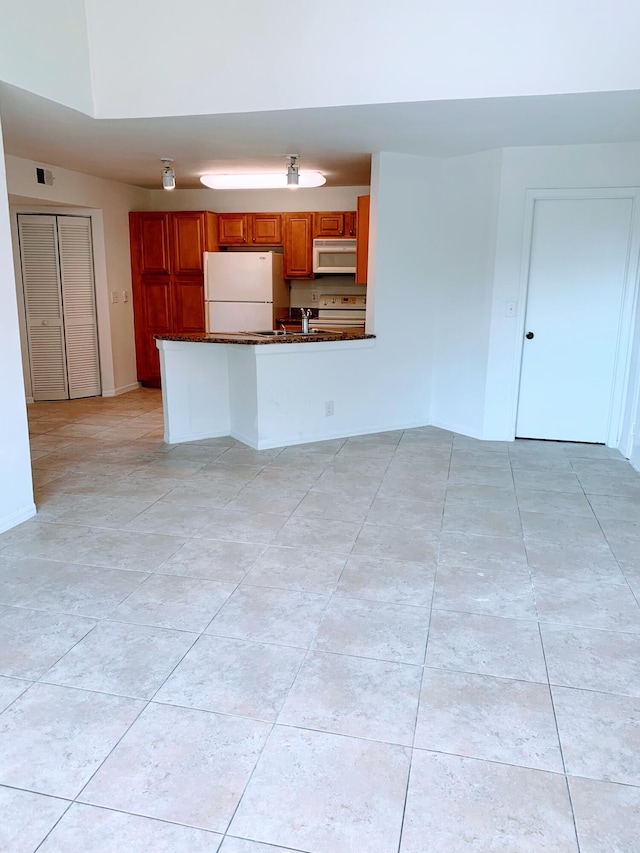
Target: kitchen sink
<point>279,333</point>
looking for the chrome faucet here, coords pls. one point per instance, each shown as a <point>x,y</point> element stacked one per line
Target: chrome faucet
<point>283,328</point>
<point>306,313</point>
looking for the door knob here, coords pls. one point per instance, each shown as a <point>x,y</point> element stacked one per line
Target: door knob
<point>529,336</point>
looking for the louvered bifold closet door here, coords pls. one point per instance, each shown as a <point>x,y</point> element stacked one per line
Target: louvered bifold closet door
<point>79,304</point>
<point>43,306</point>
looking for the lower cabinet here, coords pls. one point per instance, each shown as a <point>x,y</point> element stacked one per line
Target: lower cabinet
<point>187,305</point>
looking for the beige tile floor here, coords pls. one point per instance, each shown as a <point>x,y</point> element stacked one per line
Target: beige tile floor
<point>409,642</point>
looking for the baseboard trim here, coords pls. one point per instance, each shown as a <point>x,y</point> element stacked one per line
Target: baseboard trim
<point>458,429</point>
<point>195,436</point>
<point>291,440</point>
<point>115,392</point>
<point>17,517</point>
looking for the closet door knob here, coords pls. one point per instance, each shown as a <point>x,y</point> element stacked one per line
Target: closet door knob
<point>529,336</point>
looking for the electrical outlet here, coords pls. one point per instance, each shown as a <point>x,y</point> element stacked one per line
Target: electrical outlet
<point>314,295</point>
<point>328,408</point>
<point>114,296</point>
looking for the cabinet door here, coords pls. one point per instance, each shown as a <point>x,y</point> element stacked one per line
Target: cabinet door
<point>266,229</point>
<point>329,224</point>
<point>152,316</point>
<point>350,223</point>
<point>188,242</point>
<point>233,229</point>
<point>150,243</point>
<point>362,240</point>
<point>188,305</point>
<point>298,244</point>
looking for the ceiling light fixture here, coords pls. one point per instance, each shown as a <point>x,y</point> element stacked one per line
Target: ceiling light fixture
<point>168,175</point>
<point>292,178</point>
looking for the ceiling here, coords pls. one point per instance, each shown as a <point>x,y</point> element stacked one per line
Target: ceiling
<point>338,141</point>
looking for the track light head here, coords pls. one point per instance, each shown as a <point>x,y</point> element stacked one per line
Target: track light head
<point>293,172</point>
<point>168,175</point>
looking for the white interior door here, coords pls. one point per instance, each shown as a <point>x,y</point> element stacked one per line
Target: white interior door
<point>577,274</point>
<point>59,292</point>
<point>79,306</point>
<point>43,306</point>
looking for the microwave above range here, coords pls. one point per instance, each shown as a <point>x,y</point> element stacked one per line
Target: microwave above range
<point>334,256</point>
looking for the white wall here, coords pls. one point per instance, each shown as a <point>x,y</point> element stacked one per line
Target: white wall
<point>34,35</point>
<point>212,56</point>
<point>256,201</point>
<point>631,429</point>
<point>402,264</point>
<point>570,166</point>
<point>463,290</point>
<point>109,204</point>
<point>16,490</point>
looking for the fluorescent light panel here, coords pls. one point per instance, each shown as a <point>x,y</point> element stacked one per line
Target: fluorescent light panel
<point>263,181</point>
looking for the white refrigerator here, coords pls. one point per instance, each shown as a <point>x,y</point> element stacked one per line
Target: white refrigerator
<point>244,291</point>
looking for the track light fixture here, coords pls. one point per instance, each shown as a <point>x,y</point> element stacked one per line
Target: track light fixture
<point>293,173</point>
<point>168,175</point>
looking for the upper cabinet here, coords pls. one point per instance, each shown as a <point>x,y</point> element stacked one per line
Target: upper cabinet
<point>152,237</point>
<point>336,223</point>
<point>250,229</point>
<point>266,229</point>
<point>233,229</point>
<point>298,245</point>
<point>189,238</point>
<point>362,241</point>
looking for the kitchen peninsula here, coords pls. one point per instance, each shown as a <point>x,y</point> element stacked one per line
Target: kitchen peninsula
<point>264,391</point>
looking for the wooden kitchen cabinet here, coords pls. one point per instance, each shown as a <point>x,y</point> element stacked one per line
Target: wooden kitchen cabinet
<point>337,223</point>
<point>250,229</point>
<point>362,240</point>
<point>189,239</point>
<point>351,223</point>
<point>233,229</point>
<point>153,242</point>
<point>167,279</point>
<point>298,245</point>
<point>266,229</point>
<point>188,304</point>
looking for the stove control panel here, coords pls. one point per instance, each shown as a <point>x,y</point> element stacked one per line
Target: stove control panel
<point>342,302</point>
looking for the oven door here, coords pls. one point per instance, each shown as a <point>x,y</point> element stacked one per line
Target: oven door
<point>341,324</point>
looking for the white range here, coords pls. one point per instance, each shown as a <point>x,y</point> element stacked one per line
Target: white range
<point>336,313</point>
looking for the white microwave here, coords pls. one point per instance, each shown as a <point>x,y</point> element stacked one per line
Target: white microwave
<point>334,255</point>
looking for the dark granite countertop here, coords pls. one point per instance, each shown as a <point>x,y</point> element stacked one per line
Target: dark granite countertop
<point>248,338</point>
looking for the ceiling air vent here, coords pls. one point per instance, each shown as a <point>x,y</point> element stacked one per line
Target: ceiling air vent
<point>44,176</point>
